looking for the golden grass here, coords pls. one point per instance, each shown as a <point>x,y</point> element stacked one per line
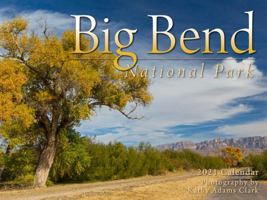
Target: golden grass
<point>174,190</point>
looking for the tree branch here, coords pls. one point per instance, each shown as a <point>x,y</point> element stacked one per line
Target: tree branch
<point>127,115</point>
<point>45,30</point>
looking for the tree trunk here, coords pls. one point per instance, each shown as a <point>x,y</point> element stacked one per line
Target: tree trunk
<point>7,154</point>
<point>1,172</point>
<point>45,162</point>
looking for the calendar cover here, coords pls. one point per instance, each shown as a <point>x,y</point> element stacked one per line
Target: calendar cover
<point>118,100</point>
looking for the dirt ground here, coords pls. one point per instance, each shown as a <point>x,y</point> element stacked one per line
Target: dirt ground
<point>183,189</point>
<point>178,186</point>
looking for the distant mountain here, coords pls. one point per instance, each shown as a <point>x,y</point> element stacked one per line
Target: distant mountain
<point>254,144</point>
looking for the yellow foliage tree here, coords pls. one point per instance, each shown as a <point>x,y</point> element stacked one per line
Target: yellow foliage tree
<point>232,156</point>
<point>64,88</point>
<point>15,115</point>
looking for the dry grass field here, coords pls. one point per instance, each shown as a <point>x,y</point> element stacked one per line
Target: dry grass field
<point>184,189</point>
<point>173,186</point>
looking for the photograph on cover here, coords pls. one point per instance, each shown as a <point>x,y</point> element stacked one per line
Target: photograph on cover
<point>138,100</point>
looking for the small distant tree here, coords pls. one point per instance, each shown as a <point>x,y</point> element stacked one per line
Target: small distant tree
<point>232,156</point>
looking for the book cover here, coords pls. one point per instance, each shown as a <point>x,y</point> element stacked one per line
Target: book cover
<point>153,100</point>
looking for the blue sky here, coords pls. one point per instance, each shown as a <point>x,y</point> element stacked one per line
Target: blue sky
<point>182,109</point>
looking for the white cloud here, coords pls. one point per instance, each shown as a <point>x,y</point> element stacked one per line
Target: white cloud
<point>122,135</point>
<point>56,22</point>
<point>255,128</point>
<point>182,101</point>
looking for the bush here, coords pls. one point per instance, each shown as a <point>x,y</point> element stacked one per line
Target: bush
<point>187,159</point>
<point>81,159</point>
<point>259,163</point>
<point>24,180</point>
<point>20,164</point>
<point>72,158</point>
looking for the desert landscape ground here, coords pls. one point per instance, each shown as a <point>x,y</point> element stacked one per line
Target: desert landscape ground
<point>179,186</point>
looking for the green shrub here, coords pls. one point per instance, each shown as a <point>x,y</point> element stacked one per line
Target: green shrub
<point>20,164</point>
<point>259,163</point>
<point>80,159</point>
<point>72,158</point>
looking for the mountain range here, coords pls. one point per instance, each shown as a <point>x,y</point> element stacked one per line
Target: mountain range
<point>255,144</point>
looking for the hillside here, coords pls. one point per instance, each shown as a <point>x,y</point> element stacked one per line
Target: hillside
<point>210,147</point>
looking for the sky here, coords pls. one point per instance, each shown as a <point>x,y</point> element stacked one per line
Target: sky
<point>182,109</point>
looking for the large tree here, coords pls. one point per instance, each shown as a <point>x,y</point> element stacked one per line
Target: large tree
<point>63,88</point>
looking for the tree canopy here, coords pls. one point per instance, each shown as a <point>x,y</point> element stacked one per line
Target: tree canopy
<point>59,88</point>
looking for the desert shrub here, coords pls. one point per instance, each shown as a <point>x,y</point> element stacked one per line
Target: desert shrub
<point>80,159</point>
<point>188,159</point>
<point>20,165</point>
<point>213,162</point>
<point>2,158</point>
<point>259,163</point>
<point>72,158</point>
